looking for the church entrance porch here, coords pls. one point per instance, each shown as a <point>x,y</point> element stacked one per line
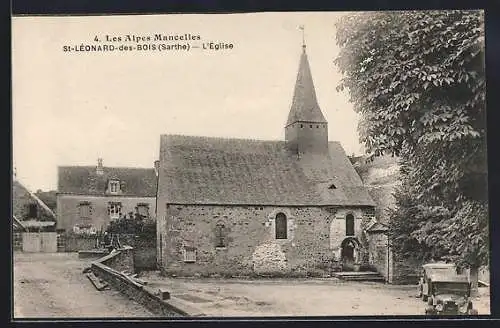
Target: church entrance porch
<point>349,252</point>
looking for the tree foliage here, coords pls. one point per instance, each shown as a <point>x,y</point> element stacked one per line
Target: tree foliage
<point>126,225</point>
<point>418,81</point>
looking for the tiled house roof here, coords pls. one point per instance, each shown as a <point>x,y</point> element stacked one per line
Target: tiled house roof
<point>304,102</point>
<point>201,170</point>
<point>84,180</point>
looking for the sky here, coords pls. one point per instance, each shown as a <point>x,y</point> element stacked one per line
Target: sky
<point>71,108</point>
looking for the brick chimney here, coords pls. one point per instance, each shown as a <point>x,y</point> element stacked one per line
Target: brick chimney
<point>157,167</point>
<point>99,169</point>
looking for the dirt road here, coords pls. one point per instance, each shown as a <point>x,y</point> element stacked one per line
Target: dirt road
<point>298,297</point>
<point>53,285</point>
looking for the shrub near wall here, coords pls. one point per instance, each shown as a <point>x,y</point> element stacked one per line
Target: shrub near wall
<point>141,235</point>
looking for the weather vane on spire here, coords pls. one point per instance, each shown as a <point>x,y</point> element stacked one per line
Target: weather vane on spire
<point>301,27</point>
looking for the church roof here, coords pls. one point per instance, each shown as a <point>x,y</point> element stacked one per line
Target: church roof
<point>202,170</point>
<point>304,103</point>
<point>84,180</point>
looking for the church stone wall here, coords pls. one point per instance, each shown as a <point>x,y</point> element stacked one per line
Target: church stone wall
<point>379,253</point>
<point>250,243</point>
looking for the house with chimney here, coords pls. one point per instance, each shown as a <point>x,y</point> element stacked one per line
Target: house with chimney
<point>90,197</point>
<point>238,206</point>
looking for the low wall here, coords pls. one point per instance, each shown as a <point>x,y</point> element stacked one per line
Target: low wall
<point>75,243</point>
<point>92,254</point>
<point>144,247</point>
<point>405,271</point>
<point>109,268</point>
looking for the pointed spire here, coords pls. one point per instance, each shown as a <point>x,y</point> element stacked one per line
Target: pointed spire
<point>302,28</point>
<point>304,104</point>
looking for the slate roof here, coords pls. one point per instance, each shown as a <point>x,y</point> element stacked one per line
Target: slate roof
<point>377,227</point>
<point>304,103</point>
<point>202,170</point>
<point>83,180</point>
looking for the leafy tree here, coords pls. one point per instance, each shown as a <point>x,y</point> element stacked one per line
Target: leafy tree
<point>418,81</point>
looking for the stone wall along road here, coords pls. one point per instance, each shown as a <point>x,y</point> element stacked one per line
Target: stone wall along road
<point>52,285</point>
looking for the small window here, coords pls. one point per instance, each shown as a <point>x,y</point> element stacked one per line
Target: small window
<point>332,186</point>
<point>281,226</point>
<point>85,210</point>
<point>310,126</point>
<point>189,254</point>
<point>219,235</point>
<point>301,126</point>
<point>349,225</point>
<point>114,186</point>
<point>317,126</point>
<point>114,210</point>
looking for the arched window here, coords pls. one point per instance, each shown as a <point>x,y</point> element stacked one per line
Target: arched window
<point>281,228</point>
<point>219,235</point>
<point>349,225</point>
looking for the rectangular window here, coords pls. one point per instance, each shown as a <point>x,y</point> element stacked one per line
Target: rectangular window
<point>143,210</point>
<point>219,235</point>
<point>189,254</point>
<point>85,210</point>
<point>114,210</point>
<point>114,186</point>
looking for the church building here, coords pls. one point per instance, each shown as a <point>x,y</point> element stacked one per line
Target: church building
<point>243,207</point>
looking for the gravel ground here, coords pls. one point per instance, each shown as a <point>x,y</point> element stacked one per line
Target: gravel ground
<point>51,285</point>
<point>219,297</point>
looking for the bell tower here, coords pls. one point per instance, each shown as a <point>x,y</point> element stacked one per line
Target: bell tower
<point>306,130</point>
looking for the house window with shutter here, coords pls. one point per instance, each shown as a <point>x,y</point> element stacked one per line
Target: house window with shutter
<point>349,225</point>
<point>189,254</point>
<point>219,235</point>
<point>85,210</point>
<point>281,226</point>
<point>143,210</point>
<point>114,210</point>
